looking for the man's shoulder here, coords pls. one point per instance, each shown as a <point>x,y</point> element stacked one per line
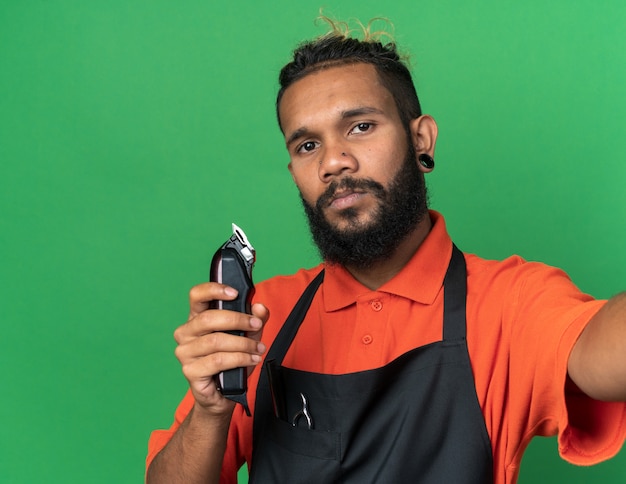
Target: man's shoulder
<point>476,264</point>
<point>514,275</point>
<point>513,264</point>
<point>283,286</point>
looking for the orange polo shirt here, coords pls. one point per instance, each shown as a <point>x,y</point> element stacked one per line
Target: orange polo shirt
<point>523,319</point>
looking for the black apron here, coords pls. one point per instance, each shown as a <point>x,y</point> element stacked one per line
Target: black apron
<point>416,419</point>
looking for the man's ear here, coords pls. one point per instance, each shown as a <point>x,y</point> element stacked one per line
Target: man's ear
<point>423,136</point>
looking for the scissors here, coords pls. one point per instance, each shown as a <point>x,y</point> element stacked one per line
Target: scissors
<point>303,413</point>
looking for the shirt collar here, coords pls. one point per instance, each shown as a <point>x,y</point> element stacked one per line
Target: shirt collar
<point>420,279</point>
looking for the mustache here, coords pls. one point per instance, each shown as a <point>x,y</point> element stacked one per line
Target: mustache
<point>350,183</point>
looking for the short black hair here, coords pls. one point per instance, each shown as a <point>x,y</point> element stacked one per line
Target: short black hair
<point>337,48</point>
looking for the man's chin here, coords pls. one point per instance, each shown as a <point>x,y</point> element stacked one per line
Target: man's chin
<point>350,221</point>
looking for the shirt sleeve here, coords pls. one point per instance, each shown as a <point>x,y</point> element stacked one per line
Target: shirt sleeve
<point>550,314</point>
<point>590,431</point>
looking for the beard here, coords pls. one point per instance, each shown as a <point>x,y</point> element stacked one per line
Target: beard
<point>401,207</point>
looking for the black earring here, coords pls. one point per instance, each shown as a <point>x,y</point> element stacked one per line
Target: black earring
<point>426,161</point>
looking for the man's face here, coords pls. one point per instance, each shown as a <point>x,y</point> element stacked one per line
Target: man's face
<point>352,162</point>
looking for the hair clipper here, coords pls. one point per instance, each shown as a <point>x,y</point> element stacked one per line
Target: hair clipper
<point>232,265</point>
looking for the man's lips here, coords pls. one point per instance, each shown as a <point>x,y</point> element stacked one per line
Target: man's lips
<point>348,192</point>
<point>345,198</point>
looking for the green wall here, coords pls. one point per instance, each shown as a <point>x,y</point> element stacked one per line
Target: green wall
<point>133,132</point>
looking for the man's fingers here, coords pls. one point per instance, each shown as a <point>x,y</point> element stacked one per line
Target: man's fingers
<point>218,343</point>
<point>211,354</point>
<point>201,295</point>
<point>262,313</point>
<point>210,365</point>
<point>216,320</point>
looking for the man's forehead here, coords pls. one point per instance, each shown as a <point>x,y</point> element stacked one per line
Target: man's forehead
<point>338,88</point>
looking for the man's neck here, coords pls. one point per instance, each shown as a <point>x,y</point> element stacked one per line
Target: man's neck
<point>379,273</point>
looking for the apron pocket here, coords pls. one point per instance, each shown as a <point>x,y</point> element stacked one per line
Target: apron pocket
<point>320,444</point>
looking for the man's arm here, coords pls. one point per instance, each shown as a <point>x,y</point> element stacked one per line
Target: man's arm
<point>195,452</point>
<point>597,364</point>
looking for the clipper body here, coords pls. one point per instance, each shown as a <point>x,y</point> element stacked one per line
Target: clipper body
<point>232,265</point>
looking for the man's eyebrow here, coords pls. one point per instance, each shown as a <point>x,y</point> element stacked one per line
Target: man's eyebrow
<point>298,133</point>
<point>350,113</point>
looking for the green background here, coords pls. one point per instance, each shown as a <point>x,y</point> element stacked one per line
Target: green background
<point>133,132</point>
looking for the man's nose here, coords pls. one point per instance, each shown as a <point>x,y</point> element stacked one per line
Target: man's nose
<point>336,160</point>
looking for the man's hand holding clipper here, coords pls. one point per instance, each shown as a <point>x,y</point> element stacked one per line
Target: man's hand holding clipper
<point>205,349</point>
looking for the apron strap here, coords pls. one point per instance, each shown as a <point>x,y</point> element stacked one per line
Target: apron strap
<point>283,341</point>
<point>454,297</point>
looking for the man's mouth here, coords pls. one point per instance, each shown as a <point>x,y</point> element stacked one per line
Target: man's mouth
<point>344,194</point>
<point>345,198</point>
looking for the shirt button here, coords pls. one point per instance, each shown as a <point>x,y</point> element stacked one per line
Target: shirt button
<point>367,339</point>
<point>376,305</point>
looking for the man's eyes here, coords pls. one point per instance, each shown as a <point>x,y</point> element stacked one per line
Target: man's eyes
<point>358,128</point>
<point>361,128</point>
<point>307,146</point>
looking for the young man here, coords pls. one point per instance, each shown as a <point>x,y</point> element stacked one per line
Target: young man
<point>399,359</point>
